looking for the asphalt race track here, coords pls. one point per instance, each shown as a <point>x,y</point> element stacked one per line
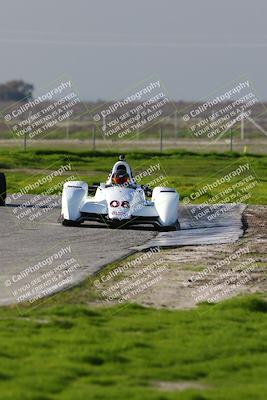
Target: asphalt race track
<point>38,256</point>
<point>28,237</point>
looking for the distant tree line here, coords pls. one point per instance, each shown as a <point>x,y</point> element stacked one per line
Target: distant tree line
<point>16,91</point>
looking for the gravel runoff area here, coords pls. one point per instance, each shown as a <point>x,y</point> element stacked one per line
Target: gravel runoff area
<point>186,275</point>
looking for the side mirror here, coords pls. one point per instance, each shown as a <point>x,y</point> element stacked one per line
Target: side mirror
<point>148,191</point>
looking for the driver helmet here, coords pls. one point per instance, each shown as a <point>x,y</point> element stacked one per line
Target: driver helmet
<point>120,177</point>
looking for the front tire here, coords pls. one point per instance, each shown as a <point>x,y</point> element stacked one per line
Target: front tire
<point>175,227</point>
<point>68,222</point>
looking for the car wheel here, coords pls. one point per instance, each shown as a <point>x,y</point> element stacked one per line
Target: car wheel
<point>68,222</point>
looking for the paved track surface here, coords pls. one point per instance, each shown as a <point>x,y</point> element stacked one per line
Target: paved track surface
<point>32,235</point>
<point>38,256</point>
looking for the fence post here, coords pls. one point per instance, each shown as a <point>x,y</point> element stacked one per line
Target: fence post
<point>242,128</point>
<point>138,129</point>
<point>25,134</point>
<point>161,139</point>
<point>175,125</point>
<point>25,141</point>
<point>68,129</point>
<point>93,137</point>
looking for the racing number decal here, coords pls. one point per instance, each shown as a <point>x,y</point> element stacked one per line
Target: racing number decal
<point>116,203</point>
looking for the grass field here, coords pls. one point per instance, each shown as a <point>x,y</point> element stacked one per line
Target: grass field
<point>187,171</point>
<point>64,350</point>
<point>70,351</point>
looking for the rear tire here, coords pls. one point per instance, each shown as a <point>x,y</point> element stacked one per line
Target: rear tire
<point>170,228</point>
<point>2,189</point>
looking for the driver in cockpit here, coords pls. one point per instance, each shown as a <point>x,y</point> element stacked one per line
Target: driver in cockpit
<point>120,177</point>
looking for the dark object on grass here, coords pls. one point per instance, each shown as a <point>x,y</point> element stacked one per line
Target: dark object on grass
<point>2,189</point>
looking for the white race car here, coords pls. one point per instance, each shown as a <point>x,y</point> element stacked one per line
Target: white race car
<point>120,202</point>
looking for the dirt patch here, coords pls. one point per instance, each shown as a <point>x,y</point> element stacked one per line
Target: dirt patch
<point>178,386</point>
<point>185,276</point>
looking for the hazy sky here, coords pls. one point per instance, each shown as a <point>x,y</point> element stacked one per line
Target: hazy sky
<point>108,46</point>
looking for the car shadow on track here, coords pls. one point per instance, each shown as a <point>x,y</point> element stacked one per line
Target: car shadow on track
<point>128,228</point>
